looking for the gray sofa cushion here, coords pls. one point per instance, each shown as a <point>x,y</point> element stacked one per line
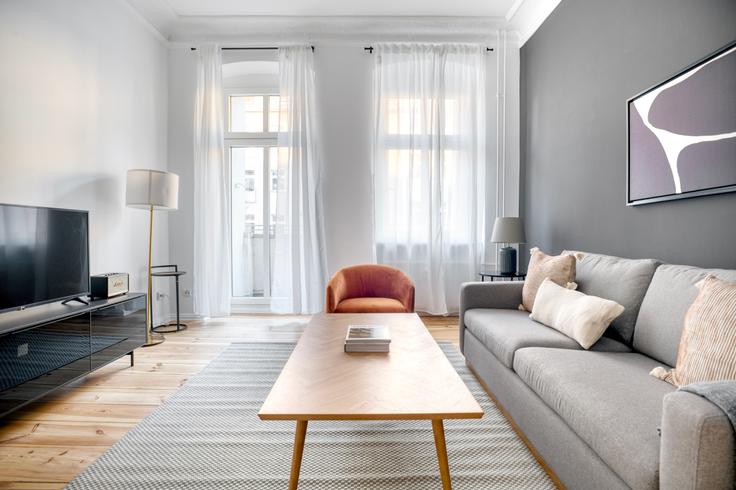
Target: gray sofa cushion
<point>624,281</point>
<point>662,313</point>
<point>608,399</point>
<point>503,332</point>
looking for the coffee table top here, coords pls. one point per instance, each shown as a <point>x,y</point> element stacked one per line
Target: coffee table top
<point>413,381</point>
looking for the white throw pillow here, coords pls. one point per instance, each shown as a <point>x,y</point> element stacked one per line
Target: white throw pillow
<point>579,316</point>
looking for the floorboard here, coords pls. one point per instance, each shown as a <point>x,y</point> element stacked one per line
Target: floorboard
<point>45,445</point>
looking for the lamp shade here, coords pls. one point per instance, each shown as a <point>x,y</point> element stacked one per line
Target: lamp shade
<point>146,188</point>
<point>508,230</point>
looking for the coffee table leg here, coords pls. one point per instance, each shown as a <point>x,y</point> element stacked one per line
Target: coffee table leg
<point>439,442</point>
<point>296,458</point>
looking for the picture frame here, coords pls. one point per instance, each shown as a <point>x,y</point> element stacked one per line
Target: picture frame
<point>681,133</point>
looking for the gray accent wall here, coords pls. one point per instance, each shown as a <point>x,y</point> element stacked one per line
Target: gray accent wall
<point>577,71</point>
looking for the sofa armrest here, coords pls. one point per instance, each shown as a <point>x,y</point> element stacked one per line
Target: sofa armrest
<point>502,295</point>
<point>698,444</point>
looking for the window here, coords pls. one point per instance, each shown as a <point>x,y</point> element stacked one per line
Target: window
<point>251,142</point>
<point>429,167</point>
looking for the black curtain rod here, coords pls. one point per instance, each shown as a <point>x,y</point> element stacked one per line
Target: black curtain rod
<point>370,49</point>
<point>251,48</point>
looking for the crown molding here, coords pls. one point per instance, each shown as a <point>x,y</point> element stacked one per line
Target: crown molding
<point>280,29</point>
<point>157,14</point>
<point>525,16</point>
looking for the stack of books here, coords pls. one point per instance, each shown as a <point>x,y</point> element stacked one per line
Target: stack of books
<point>367,338</point>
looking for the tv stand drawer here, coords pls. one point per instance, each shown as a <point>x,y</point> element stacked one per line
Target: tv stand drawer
<point>37,359</point>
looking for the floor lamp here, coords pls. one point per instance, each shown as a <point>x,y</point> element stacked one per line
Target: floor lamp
<point>151,190</point>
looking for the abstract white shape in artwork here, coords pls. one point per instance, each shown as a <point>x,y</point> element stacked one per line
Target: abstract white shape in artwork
<point>674,143</point>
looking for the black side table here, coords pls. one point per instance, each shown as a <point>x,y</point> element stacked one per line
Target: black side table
<point>494,274</point>
<point>175,273</point>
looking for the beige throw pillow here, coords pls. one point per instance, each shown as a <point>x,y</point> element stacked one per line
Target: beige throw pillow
<point>707,349</point>
<point>560,269</point>
<point>579,316</point>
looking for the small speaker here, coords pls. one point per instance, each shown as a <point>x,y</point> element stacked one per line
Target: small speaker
<point>109,285</point>
<point>507,261</point>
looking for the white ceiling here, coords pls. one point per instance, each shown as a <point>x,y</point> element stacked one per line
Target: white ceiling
<point>259,21</point>
<point>486,8</point>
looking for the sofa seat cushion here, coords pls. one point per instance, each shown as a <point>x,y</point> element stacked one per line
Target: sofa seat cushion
<point>608,399</point>
<point>370,305</point>
<point>504,332</point>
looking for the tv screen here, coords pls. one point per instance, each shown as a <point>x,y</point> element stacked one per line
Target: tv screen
<point>44,255</point>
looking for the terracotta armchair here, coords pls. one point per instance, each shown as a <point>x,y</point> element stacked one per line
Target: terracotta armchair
<point>370,288</point>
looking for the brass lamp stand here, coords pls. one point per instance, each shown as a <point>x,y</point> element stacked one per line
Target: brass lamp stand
<point>150,190</point>
<point>152,338</point>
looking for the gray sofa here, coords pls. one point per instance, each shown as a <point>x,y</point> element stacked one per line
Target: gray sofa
<point>597,417</point>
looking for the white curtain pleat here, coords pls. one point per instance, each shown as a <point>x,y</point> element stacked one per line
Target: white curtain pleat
<point>211,225</point>
<point>299,268</point>
<point>428,166</point>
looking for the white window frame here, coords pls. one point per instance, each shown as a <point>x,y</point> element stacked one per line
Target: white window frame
<point>265,139</point>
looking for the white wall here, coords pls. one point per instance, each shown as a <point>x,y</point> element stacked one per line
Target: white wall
<point>343,72</point>
<point>343,76</point>
<point>83,95</point>
<point>182,86</point>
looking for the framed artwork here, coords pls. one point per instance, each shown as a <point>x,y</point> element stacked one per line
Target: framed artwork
<point>681,133</point>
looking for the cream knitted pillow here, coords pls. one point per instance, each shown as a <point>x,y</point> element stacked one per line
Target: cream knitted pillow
<point>581,317</point>
<point>707,349</point>
<point>560,269</point>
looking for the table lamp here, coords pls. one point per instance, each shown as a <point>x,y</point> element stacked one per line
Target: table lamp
<point>508,231</point>
<point>151,189</point>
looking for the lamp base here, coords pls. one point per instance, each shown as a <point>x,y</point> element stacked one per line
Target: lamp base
<point>154,339</point>
<point>507,261</point>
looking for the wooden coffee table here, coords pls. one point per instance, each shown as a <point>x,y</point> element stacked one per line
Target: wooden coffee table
<point>415,381</point>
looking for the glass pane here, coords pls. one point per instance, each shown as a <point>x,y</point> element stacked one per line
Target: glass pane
<point>246,113</point>
<point>248,245</point>
<point>273,113</point>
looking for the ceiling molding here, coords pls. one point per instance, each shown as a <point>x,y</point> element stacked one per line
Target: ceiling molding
<point>528,16</point>
<point>523,17</point>
<point>513,9</point>
<point>245,29</point>
<point>157,13</point>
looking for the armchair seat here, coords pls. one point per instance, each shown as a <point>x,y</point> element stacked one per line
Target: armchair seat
<point>370,305</point>
<point>370,288</point>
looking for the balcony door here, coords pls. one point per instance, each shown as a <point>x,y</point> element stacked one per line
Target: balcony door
<point>251,144</point>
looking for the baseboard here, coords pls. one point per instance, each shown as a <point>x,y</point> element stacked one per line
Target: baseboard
<point>517,429</point>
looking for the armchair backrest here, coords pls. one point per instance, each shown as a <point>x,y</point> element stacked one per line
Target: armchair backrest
<point>369,281</point>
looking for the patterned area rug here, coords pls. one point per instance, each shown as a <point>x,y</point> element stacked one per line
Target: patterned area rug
<point>208,436</point>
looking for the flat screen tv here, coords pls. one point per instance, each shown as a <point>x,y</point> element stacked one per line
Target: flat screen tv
<point>44,255</point>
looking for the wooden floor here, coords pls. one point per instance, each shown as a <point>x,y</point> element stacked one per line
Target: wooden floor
<point>47,444</point>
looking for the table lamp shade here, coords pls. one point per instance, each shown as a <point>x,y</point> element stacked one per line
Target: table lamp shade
<point>508,230</point>
<point>152,188</point>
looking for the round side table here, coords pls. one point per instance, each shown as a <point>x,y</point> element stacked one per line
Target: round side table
<point>494,274</point>
<point>171,327</point>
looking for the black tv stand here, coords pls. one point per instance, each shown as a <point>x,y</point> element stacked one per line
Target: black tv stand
<point>45,347</point>
<point>67,301</point>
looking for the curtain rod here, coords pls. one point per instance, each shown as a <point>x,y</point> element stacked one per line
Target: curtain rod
<point>250,48</point>
<point>370,49</point>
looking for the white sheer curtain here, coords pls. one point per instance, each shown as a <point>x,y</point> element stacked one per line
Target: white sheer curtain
<point>299,269</point>
<point>211,229</point>
<point>429,159</point>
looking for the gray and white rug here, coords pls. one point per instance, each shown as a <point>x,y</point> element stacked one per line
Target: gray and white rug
<point>208,436</point>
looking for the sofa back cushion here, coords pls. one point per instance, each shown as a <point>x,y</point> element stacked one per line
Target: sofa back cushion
<point>624,281</point>
<point>662,314</point>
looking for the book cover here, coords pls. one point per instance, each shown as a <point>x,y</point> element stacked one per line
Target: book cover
<point>368,334</point>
